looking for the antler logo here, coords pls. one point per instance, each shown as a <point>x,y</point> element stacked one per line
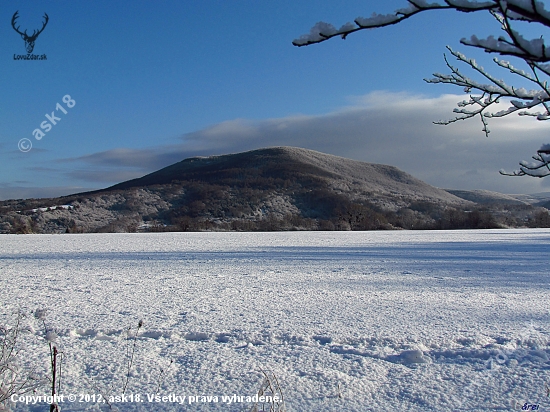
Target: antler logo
<point>29,40</point>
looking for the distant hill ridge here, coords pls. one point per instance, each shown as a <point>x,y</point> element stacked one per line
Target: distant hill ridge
<point>488,197</point>
<point>286,162</point>
<point>277,188</point>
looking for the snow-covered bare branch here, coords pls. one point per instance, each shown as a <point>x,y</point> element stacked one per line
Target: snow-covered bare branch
<point>484,95</point>
<point>539,168</point>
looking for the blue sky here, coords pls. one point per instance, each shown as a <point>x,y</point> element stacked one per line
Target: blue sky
<point>156,82</point>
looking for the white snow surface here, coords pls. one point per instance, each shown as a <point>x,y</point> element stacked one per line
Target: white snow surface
<point>347,321</point>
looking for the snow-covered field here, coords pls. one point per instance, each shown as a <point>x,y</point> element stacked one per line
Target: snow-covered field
<point>348,321</point>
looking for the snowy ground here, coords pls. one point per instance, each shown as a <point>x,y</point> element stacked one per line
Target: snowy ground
<point>362,321</point>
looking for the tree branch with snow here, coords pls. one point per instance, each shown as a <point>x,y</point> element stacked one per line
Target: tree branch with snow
<point>483,96</point>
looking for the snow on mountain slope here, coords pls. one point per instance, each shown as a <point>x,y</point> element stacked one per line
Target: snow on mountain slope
<point>340,173</point>
<point>486,196</point>
<point>370,176</point>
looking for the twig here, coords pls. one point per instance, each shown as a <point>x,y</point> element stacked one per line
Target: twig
<point>271,387</point>
<point>161,376</point>
<point>130,356</point>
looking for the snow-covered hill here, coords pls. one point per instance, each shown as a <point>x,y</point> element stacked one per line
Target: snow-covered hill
<point>280,188</point>
<point>345,175</point>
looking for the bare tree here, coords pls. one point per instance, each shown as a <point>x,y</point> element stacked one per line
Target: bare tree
<point>485,95</point>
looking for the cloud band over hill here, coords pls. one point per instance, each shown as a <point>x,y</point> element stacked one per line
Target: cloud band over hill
<point>380,127</point>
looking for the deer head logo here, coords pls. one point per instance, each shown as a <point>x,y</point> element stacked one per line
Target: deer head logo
<point>29,40</point>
